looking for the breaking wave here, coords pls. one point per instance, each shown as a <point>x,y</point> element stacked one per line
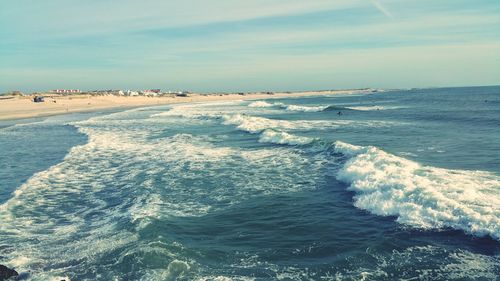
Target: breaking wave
<point>77,209</point>
<point>257,124</point>
<point>388,185</point>
<point>261,104</point>
<point>101,205</point>
<point>301,108</point>
<point>271,136</point>
<point>291,107</point>
<point>244,121</point>
<point>254,124</point>
<point>421,196</point>
<point>373,107</point>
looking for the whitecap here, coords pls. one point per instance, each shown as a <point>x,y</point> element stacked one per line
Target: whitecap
<point>260,104</point>
<point>254,124</point>
<point>422,196</point>
<point>271,136</point>
<point>302,108</point>
<point>290,107</point>
<point>374,107</point>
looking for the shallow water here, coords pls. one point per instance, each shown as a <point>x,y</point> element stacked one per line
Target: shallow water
<point>400,185</point>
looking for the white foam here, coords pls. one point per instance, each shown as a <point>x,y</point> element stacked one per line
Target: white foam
<point>373,107</point>
<point>425,263</point>
<point>175,270</point>
<point>465,264</point>
<point>117,152</point>
<point>253,124</point>
<point>76,209</point>
<point>20,261</point>
<point>145,208</point>
<point>271,136</point>
<point>302,108</point>
<point>291,107</point>
<point>420,196</point>
<point>198,110</point>
<point>261,104</point>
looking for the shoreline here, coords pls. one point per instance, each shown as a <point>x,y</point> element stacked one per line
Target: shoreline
<point>16,108</point>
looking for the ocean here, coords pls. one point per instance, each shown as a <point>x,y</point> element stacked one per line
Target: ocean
<point>389,185</point>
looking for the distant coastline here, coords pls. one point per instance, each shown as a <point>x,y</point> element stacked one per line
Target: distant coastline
<point>19,106</point>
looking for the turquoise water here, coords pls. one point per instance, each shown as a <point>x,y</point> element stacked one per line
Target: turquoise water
<point>400,185</point>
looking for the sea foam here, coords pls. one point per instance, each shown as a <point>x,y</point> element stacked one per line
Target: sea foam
<point>302,108</point>
<point>254,124</point>
<point>122,173</point>
<point>271,136</point>
<point>245,121</point>
<point>290,107</point>
<point>261,104</point>
<point>374,107</point>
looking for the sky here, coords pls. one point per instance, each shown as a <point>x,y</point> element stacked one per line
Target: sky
<point>254,45</point>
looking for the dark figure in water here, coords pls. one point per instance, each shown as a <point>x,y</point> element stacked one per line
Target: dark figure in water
<point>339,113</point>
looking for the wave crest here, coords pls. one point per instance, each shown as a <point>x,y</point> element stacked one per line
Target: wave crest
<point>290,107</point>
<point>271,136</point>
<point>261,104</point>
<point>425,197</point>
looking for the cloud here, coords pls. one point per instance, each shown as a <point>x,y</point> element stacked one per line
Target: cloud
<point>59,19</point>
<point>232,45</point>
<point>381,8</point>
<point>415,66</point>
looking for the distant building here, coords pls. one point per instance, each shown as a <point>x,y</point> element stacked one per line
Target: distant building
<point>108,93</point>
<point>66,91</point>
<point>151,93</point>
<point>131,93</point>
<point>115,92</point>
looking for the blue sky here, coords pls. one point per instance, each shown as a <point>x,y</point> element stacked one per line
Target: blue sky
<point>225,45</point>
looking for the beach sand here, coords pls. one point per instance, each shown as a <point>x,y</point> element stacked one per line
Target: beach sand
<point>24,107</point>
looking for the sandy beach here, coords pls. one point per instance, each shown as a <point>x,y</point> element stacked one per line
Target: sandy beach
<point>24,107</point>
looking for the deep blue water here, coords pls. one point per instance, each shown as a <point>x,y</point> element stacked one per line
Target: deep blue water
<point>401,185</point>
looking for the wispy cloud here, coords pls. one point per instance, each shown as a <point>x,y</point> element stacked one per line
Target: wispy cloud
<point>58,18</point>
<point>426,66</point>
<point>381,8</point>
<point>245,45</point>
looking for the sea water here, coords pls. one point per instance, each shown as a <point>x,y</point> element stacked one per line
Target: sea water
<point>394,185</point>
